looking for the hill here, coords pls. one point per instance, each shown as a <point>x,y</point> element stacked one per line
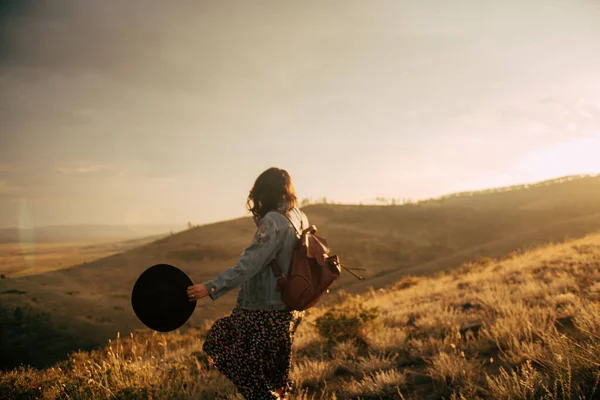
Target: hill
<point>83,306</point>
<point>525,327</point>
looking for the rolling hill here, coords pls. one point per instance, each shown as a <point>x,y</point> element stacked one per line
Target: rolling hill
<point>47,315</point>
<point>525,327</point>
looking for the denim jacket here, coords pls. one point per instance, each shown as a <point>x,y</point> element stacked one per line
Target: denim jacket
<point>275,238</point>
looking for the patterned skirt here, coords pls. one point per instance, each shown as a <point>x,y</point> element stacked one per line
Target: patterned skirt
<point>252,348</point>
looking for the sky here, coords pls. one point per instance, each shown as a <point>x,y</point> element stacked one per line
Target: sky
<point>148,112</point>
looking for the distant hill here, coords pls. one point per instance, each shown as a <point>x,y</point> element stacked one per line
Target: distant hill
<point>82,306</point>
<point>83,233</point>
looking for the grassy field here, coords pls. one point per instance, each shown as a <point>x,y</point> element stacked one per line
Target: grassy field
<point>45,316</point>
<point>23,259</point>
<point>526,326</point>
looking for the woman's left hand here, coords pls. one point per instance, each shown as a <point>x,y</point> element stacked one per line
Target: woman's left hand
<point>197,292</point>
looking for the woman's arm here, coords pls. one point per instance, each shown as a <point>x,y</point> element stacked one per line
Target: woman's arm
<point>264,247</point>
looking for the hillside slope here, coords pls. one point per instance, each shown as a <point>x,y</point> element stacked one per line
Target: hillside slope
<point>549,232</point>
<point>81,307</point>
<point>526,327</point>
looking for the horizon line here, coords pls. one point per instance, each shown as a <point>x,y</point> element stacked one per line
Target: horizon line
<point>375,202</point>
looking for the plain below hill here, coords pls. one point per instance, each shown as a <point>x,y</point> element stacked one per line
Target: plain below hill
<point>45,316</point>
<point>83,233</point>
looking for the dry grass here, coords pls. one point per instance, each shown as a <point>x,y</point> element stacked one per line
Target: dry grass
<point>526,327</point>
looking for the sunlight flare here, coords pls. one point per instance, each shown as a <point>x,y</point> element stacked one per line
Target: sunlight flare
<point>581,156</point>
<point>26,235</point>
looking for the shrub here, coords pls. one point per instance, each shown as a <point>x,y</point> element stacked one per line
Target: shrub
<point>346,322</point>
<point>376,385</point>
<point>406,282</point>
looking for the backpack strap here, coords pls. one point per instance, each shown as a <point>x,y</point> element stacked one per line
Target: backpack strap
<point>299,232</point>
<point>274,266</point>
<point>276,270</point>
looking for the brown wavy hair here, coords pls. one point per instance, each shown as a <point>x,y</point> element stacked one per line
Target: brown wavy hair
<point>270,188</point>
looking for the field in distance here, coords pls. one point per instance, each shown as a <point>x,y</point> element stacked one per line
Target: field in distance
<point>22,259</point>
<point>35,251</point>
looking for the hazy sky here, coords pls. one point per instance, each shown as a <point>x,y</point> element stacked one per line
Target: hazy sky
<point>152,111</point>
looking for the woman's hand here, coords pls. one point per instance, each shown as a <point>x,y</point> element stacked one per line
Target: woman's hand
<point>197,292</point>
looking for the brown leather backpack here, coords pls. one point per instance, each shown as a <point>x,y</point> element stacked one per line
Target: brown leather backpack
<point>312,270</point>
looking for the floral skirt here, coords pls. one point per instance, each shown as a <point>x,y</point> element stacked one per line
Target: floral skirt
<point>252,348</point>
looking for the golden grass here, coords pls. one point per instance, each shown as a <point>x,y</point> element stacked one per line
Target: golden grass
<point>526,327</point>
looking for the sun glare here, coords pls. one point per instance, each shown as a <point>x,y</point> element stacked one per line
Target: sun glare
<point>576,157</point>
<point>26,235</point>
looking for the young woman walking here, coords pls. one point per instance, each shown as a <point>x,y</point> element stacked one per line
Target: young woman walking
<point>252,346</point>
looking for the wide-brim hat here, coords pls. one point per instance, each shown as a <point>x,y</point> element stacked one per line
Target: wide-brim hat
<point>159,298</point>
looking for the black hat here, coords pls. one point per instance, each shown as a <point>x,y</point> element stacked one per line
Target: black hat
<point>159,298</point>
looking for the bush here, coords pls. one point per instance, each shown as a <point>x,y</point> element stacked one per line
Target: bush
<point>346,322</point>
<point>406,282</point>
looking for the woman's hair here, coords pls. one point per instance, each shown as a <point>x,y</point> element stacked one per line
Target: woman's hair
<point>270,188</point>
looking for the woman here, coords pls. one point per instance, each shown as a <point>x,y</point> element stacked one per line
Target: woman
<point>252,346</point>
